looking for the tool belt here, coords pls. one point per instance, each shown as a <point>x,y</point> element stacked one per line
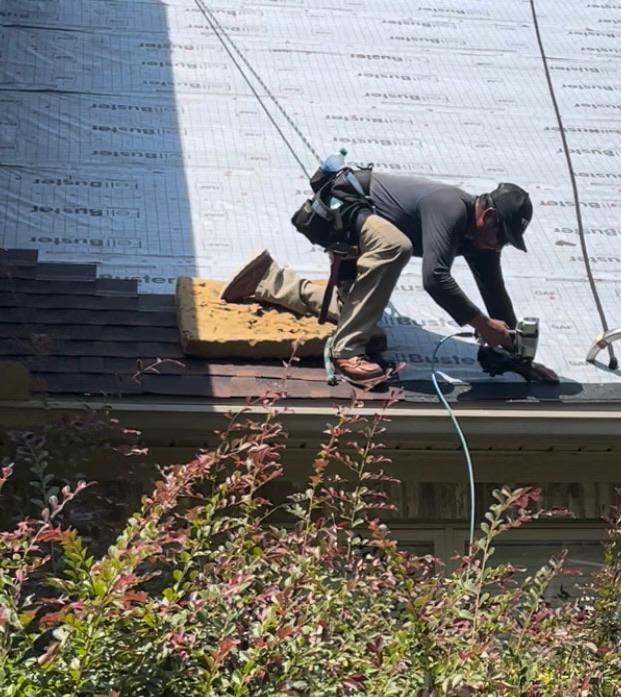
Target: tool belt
<point>332,217</point>
<point>343,260</point>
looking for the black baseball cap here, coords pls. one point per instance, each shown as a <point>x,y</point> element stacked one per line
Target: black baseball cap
<point>514,210</point>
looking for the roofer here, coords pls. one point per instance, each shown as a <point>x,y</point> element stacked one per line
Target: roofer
<point>412,216</point>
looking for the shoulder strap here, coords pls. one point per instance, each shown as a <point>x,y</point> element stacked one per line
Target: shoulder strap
<point>353,180</point>
<point>363,175</point>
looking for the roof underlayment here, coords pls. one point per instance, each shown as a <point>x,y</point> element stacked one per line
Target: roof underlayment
<point>170,138</point>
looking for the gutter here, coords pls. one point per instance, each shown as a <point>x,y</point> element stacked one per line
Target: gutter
<point>411,426</point>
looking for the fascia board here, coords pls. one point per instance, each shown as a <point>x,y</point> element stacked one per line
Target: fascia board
<point>308,420</point>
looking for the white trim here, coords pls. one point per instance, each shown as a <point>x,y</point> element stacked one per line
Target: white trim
<point>413,418</point>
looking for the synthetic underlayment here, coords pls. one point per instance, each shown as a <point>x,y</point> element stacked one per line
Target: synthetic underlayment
<point>167,138</point>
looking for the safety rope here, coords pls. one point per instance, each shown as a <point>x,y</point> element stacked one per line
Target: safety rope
<point>224,37</point>
<point>613,363</point>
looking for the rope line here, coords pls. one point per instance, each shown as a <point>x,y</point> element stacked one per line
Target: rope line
<point>224,37</point>
<point>613,363</point>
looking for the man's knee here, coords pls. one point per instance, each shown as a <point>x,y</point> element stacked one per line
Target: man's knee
<point>398,251</point>
<point>404,250</point>
<point>387,240</point>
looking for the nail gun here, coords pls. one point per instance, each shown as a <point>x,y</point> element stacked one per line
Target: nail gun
<point>516,359</point>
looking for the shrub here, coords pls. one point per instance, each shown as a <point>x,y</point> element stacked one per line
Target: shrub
<point>204,592</point>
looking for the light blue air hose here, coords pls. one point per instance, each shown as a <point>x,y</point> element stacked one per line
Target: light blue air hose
<point>434,377</point>
<point>460,433</point>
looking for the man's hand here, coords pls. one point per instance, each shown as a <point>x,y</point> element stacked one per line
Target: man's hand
<point>494,332</point>
<point>541,373</point>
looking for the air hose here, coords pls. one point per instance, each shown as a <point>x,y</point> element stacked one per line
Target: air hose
<point>464,443</point>
<point>332,380</point>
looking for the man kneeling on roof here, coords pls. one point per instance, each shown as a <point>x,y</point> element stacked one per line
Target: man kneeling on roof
<point>412,216</point>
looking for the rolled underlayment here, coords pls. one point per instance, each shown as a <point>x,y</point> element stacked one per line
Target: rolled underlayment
<point>212,328</point>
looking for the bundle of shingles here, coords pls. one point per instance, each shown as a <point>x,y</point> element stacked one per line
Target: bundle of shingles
<point>212,328</point>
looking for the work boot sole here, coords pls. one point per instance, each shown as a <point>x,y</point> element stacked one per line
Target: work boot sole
<point>364,384</point>
<point>244,284</point>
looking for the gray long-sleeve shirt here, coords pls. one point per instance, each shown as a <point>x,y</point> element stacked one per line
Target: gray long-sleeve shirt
<point>435,217</point>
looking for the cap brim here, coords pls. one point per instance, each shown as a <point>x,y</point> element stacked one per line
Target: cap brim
<point>514,240</point>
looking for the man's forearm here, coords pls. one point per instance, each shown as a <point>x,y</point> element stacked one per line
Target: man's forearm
<point>487,272</point>
<point>499,305</point>
<point>450,297</point>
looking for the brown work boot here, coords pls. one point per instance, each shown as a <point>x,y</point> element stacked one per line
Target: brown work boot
<point>359,369</point>
<point>244,284</point>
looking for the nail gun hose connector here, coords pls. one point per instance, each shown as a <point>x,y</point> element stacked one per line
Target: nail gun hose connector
<point>328,363</point>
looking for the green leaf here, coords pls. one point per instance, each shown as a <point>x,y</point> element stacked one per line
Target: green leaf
<point>99,588</point>
<point>170,594</point>
<point>149,619</point>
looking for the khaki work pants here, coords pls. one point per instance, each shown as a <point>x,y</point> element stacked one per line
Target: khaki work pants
<point>384,251</point>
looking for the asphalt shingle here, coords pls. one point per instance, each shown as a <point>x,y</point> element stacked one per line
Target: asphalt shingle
<point>79,335</point>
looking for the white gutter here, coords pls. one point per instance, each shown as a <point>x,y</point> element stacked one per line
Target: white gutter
<point>308,418</point>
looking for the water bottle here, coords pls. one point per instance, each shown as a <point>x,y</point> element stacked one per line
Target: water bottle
<point>335,162</point>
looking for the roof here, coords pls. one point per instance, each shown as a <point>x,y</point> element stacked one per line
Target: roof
<point>80,335</point>
<point>167,141</point>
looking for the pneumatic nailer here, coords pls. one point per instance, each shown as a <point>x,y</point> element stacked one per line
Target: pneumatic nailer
<point>519,357</point>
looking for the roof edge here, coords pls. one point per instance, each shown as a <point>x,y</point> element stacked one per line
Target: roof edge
<point>408,424</point>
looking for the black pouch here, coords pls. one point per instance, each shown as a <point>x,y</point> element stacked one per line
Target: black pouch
<point>320,179</point>
<point>328,225</point>
<point>316,222</point>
